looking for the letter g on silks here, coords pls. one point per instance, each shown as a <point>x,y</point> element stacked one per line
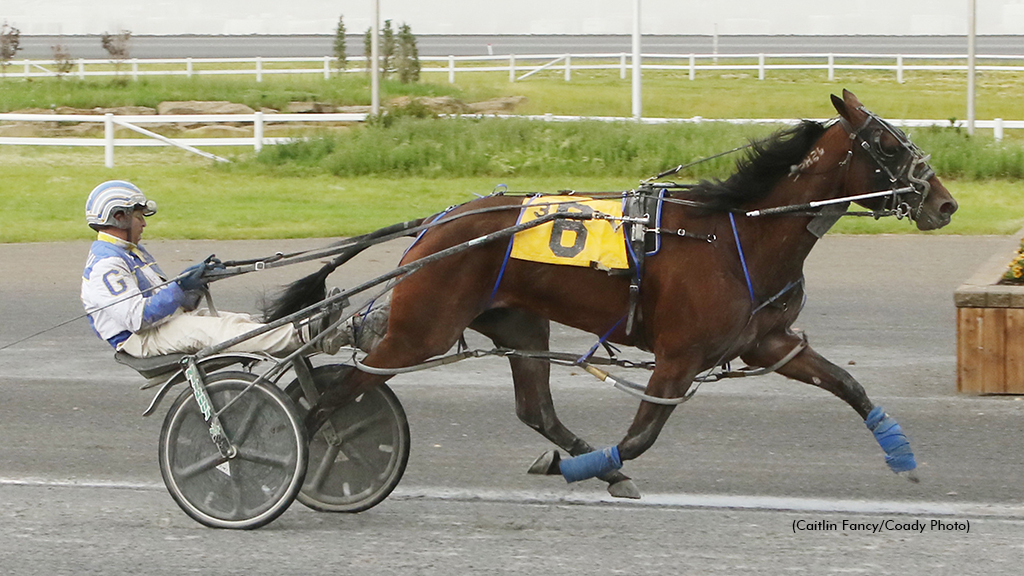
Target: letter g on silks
<point>591,464</point>
<point>891,438</point>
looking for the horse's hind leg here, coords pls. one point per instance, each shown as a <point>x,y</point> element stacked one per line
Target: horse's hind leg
<point>810,367</point>
<point>520,330</point>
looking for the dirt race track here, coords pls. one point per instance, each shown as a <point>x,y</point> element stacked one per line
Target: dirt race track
<point>735,484</point>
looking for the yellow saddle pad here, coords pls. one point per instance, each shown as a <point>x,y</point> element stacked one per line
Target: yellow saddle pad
<point>572,242</point>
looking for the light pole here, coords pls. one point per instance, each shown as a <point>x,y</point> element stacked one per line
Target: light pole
<point>971,24</point>
<point>375,60</point>
<point>637,102</point>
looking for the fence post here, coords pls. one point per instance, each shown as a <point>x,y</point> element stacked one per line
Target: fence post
<point>327,67</point>
<point>451,69</point>
<point>81,69</point>
<point>257,132</point>
<point>997,129</point>
<point>259,69</point>
<point>899,69</point>
<point>760,66</point>
<point>135,69</point>
<point>831,68</point>
<point>511,67</point>
<point>693,66</point>
<point>28,68</point>
<point>188,67</point>
<point>108,140</point>
<point>568,67</point>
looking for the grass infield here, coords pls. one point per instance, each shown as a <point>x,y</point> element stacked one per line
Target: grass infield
<point>43,197</point>
<point>368,177</point>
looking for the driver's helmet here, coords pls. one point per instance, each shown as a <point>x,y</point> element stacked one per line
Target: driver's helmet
<point>112,197</point>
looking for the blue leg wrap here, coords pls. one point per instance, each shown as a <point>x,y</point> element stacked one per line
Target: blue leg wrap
<point>891,438</point>
<point>590,464</point>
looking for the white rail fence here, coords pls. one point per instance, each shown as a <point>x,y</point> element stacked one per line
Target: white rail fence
<point>523,66</point>
<point>110,123</point>
<point>259,120</point>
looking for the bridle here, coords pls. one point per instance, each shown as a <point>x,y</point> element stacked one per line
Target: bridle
<point>906,167</point>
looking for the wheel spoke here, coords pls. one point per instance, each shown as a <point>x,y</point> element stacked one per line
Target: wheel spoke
<point>356,456</point>
<point>265,459</point>
<point>237,511</point>
<point>246,424</point>
<point>355,430</point>
<point>204,465</point>
<point>326,463</point>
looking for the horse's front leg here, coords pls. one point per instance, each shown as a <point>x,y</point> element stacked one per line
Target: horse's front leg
<point>810,367</point>
<point>520,330</point>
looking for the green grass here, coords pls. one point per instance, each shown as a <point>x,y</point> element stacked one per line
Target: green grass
<point>783,94</point>
<point>371,177</point>
<point>472,147</point>
<point>455,148</point>
<point>273,92</point>
<point>44,194</point>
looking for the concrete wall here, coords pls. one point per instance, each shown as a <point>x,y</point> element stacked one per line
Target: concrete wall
<point>914,17</point>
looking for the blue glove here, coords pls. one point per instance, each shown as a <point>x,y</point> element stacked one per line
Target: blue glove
<point>191,278</point>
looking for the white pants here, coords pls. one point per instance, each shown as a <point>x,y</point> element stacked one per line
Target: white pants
<point>193,331</point>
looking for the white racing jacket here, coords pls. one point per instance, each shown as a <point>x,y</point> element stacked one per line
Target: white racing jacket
<point>117,290</point>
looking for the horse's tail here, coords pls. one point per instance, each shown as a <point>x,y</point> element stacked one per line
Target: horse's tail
<point>313,288</point>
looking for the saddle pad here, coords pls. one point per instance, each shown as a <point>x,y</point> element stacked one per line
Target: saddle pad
<point>589,243</point>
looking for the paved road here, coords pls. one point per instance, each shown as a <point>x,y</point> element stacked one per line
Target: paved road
<point>733,471</point>
<point>476,45</point>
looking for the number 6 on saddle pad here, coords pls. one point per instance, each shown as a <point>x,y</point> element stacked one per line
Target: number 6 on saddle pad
<point>589,243</point>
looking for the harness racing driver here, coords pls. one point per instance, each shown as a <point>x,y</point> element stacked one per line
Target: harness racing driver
<point>132,306</point>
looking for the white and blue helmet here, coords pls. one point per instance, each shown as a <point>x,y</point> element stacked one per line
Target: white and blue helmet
<point>112,197</point>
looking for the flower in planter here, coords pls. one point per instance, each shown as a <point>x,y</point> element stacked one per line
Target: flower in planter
<point>1015,271</point>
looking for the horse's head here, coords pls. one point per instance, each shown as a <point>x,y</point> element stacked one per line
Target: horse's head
<point>883,158</point>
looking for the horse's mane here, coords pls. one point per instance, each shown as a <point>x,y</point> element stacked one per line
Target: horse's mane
<point>767,160</point>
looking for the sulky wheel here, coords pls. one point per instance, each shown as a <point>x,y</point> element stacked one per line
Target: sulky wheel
<point>256,485</point>
<point>359,455</point>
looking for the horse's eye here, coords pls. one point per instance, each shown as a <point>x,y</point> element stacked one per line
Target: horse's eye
<point>886,146</point>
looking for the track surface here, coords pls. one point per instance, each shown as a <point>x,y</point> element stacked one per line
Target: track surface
<point>732,473</point>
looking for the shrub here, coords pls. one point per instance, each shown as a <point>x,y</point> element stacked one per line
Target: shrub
<point>63,63</point>
<point>339,45</point>
<point>117,46</point>
<point>407,57</point>
<point>10,43</point>
<point>386,49</point>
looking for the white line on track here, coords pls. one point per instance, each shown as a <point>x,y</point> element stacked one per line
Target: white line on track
<point>713,501</point>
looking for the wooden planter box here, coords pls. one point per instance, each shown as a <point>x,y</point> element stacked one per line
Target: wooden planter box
<point>990,331</point>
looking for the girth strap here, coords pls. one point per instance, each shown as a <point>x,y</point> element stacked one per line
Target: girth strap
<point>636,206</point>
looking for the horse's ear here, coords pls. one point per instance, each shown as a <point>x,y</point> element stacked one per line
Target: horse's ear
<point>848,106</point>
<point>851,99</point>
<point>840,106</point>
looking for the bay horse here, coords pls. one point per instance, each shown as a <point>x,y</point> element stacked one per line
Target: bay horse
<point>702,303</point>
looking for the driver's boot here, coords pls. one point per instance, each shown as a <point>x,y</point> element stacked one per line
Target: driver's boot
<point>364,330</point>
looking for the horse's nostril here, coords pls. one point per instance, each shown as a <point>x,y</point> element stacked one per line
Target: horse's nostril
<point>948,208</point>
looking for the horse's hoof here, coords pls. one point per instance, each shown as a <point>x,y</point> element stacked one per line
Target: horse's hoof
<point>624,489</point>
<point>547,464</point>
<point>910,475</point>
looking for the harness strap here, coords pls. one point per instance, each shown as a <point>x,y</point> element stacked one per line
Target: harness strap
<point>501,271</point>
<point>583,359</point>
<point>634,283</point>
<point>743,259</point>
<point>798,282</point>
<point>744,372</point>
